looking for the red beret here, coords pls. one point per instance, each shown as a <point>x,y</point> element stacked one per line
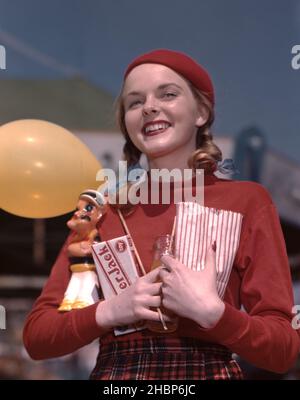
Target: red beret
<point>180,63</point>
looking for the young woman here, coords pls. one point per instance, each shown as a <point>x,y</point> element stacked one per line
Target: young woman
<point>165,111</point>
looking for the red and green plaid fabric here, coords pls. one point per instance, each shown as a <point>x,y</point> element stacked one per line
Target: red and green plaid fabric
<point>164,358</point>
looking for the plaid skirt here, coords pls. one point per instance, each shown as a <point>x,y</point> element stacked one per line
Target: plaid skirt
<point>163,358</point>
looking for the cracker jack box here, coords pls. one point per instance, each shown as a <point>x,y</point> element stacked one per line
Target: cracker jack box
<point>117,269</point>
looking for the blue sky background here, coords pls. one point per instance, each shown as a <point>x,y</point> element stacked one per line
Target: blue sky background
<point>246,46</point>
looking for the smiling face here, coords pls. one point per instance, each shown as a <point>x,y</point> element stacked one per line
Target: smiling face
<point>162,115</point>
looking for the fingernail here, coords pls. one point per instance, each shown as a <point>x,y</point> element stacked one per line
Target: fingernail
<point>214,246</point>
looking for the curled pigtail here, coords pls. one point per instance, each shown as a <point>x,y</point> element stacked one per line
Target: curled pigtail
<point>207,153</point>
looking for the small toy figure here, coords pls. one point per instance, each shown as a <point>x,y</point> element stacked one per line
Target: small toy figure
<point>83,286</point>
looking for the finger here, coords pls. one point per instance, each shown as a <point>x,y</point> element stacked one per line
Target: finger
<point>154,301</point>
<point>169,262</point>
<point>210,259</point>
<point>152,276</point>
<point>163,274</point>
<point>166,260</point>
<point>154,288</point>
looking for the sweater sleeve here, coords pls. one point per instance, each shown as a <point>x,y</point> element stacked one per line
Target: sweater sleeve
<point>263,335</point>
<point>48,333</point>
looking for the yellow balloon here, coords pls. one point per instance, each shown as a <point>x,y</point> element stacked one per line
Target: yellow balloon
<point>43,169</point>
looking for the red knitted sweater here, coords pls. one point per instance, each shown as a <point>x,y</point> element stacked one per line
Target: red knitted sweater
<point>260,281</point>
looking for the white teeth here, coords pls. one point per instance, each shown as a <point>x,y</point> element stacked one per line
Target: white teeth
<point>155,127</point>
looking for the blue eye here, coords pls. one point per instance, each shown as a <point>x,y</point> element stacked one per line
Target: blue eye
<point>89,208</point>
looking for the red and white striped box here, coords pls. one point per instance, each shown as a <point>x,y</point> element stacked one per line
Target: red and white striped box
<point>197,227</point>
<point>116,268</point>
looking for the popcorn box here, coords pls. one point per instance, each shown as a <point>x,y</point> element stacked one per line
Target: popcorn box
<point>197,227</point>
<point>117,269</point>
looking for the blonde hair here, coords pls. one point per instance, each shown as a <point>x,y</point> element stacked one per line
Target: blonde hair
<point>206,154</point>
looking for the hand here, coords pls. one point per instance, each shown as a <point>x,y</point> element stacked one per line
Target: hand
<point>133,304</point>
<point>192,294</point>
<point>86,247</point>
<point>79,249</point>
